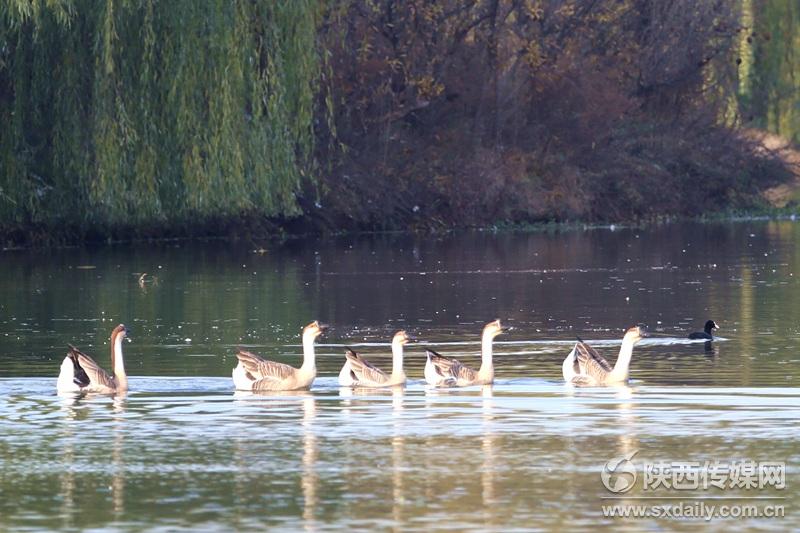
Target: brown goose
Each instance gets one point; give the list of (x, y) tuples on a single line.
[(257, 374), (443, 371), (80, 373), (358, 372), (584, 367)]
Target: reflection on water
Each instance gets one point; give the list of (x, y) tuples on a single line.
[(117, 457), (488, 443), (67, 479), (310, 477), (513, 455), (398, 458), (183, 451)]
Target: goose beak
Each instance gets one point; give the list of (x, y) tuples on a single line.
[(506, 329), (323, 327), (643, 332)]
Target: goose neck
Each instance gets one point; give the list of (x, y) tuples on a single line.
[(622, 366), (118, 362), (487, 367), (397, 358), (309, 361)]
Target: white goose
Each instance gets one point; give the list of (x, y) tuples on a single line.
[(442, 371), (584, 367), (254, 373), (358, 372), (80, 373)]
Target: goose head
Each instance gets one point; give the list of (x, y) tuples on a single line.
[(493, 329), (120, 331), (314, 330), (401, 337), (710, 325), (635, 334)]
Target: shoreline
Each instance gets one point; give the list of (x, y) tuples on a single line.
[(282, 237)]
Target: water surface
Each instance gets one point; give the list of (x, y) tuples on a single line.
[(183, 451)]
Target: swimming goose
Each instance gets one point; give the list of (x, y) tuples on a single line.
[(358, 372), (257, 374), (584, 367), (706, 333), (442, 371), (80, 373)]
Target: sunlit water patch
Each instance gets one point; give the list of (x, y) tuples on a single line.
[(203, 455)]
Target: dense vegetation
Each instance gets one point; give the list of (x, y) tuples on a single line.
[(770, 69), (155, 118), (153, 115)]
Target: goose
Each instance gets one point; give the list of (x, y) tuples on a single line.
[(584, 367), (442, 371), (80, 373), (254, 373), (706, 333), (358, 372)]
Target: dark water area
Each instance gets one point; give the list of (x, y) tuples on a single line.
[(182, 451), (199, 302)]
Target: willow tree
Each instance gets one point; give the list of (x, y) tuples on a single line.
[(770, 86), (127, 113)]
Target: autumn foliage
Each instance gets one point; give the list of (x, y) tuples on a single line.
[(479, 111)]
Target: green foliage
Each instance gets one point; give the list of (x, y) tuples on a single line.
[(772, 83), (124, 113)]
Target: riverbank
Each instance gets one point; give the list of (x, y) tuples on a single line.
[(376, 120), (274, 234), (328, 213)]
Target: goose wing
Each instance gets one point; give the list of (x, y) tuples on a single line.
[(261, 369), (364, 371), (586, 352), (583, 380), (591, 363), (465, 374), (268, 384), (450, 367), (88, 372)]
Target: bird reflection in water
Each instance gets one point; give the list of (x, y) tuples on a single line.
[(310, 479), (69, 404), (488, 447), (78, 407), (398, 455), (627, 439), (117, 456)]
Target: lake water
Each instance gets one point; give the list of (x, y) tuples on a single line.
[(182, 451)]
